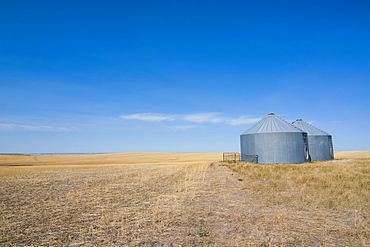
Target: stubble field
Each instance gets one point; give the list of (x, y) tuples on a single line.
[(182, 199)]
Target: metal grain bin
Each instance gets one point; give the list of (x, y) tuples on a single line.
[(320, 143), (273, 140)]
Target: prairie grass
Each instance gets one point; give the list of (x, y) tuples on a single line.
[(331, 184), (182, 200), (340, 186)]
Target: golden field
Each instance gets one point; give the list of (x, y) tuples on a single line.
[(182, 199)]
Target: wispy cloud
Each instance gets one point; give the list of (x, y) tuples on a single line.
[(183, 127), (155, 117), (205, 117), (35, 127), (242, 120), (6, 126)]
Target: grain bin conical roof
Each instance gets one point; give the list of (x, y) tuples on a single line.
[(311, 130), (271, 123)]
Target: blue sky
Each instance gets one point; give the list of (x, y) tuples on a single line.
[(179, 76)]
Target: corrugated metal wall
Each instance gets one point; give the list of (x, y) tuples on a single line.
[(321, 147), (319, 142), (276, 148)]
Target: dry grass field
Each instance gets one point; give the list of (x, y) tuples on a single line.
[(183, 199)]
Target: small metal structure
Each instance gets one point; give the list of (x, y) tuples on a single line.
[(250, 158), (232, 156), (273, 140), (319, 142)]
